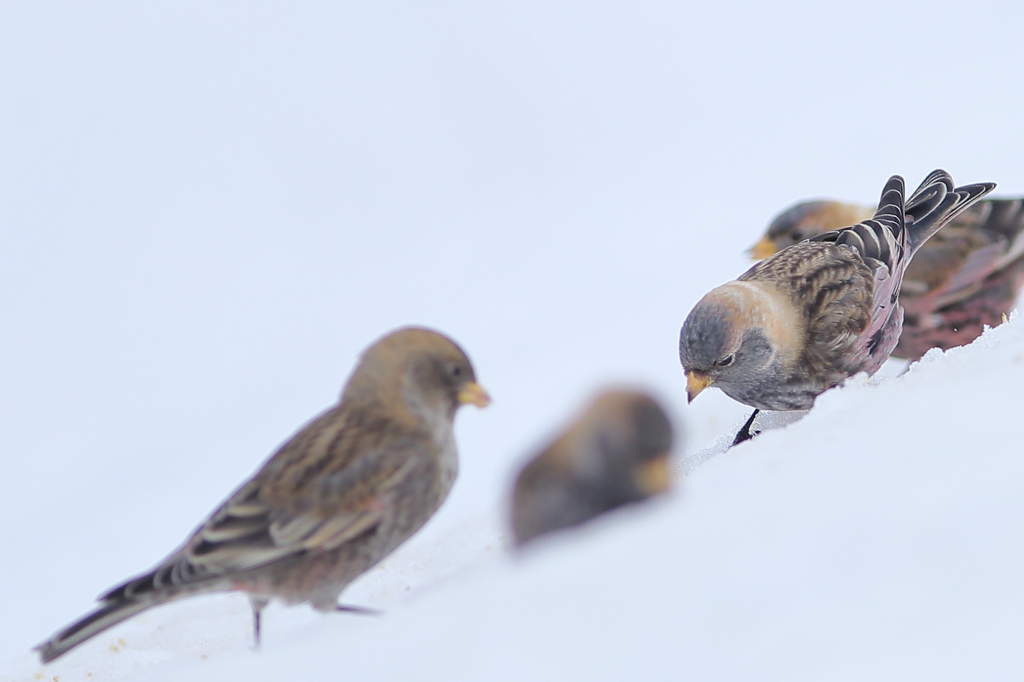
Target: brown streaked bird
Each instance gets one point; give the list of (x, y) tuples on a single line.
[(615, 453), (802, 321), (339, 496), (966, 277)]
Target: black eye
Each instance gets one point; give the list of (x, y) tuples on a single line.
[(798, 236), (455, 370), (727, 360)]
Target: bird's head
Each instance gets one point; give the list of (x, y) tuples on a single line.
[(734, 337), (423, 369), (805, 220), (632, 439)]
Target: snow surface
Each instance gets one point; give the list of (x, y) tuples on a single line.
[(207, 210), (877, 538)]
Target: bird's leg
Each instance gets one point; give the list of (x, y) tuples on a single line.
[(258, 604), (744, 434), (361, 610)]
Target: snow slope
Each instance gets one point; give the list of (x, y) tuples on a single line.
[(877, 538)]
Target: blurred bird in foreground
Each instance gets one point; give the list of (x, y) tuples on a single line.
[(817, 312), (339, 496), (967, 276), (615, 453)]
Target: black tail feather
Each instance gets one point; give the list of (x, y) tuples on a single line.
[(106, 616), (935, 203)]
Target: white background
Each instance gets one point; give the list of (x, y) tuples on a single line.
[(208, 209)]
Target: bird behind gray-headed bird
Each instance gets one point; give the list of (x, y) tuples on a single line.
[(967, 276), (800, 322), (334, 500), (615, 453)]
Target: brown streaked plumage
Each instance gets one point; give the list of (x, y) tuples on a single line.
[(966, 277), (334, 500), (615, 453), (817, 312)]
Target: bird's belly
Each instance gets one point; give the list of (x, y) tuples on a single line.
[(781, 398)]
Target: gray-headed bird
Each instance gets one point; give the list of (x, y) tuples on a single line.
[(338, 497), (802, 321), (967, 276), (615, 453)]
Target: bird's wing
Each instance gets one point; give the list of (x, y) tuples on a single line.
[(882, 243), (251, 531), (308, 498), (888, 241), (850, 298), (950, 268), (954, 264)]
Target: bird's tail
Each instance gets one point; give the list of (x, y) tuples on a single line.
[(106, 616), (176, 577), (935, 203)]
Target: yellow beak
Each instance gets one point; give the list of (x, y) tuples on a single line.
[(762, 249), (474, 394), (695, 383), (653, 477)]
